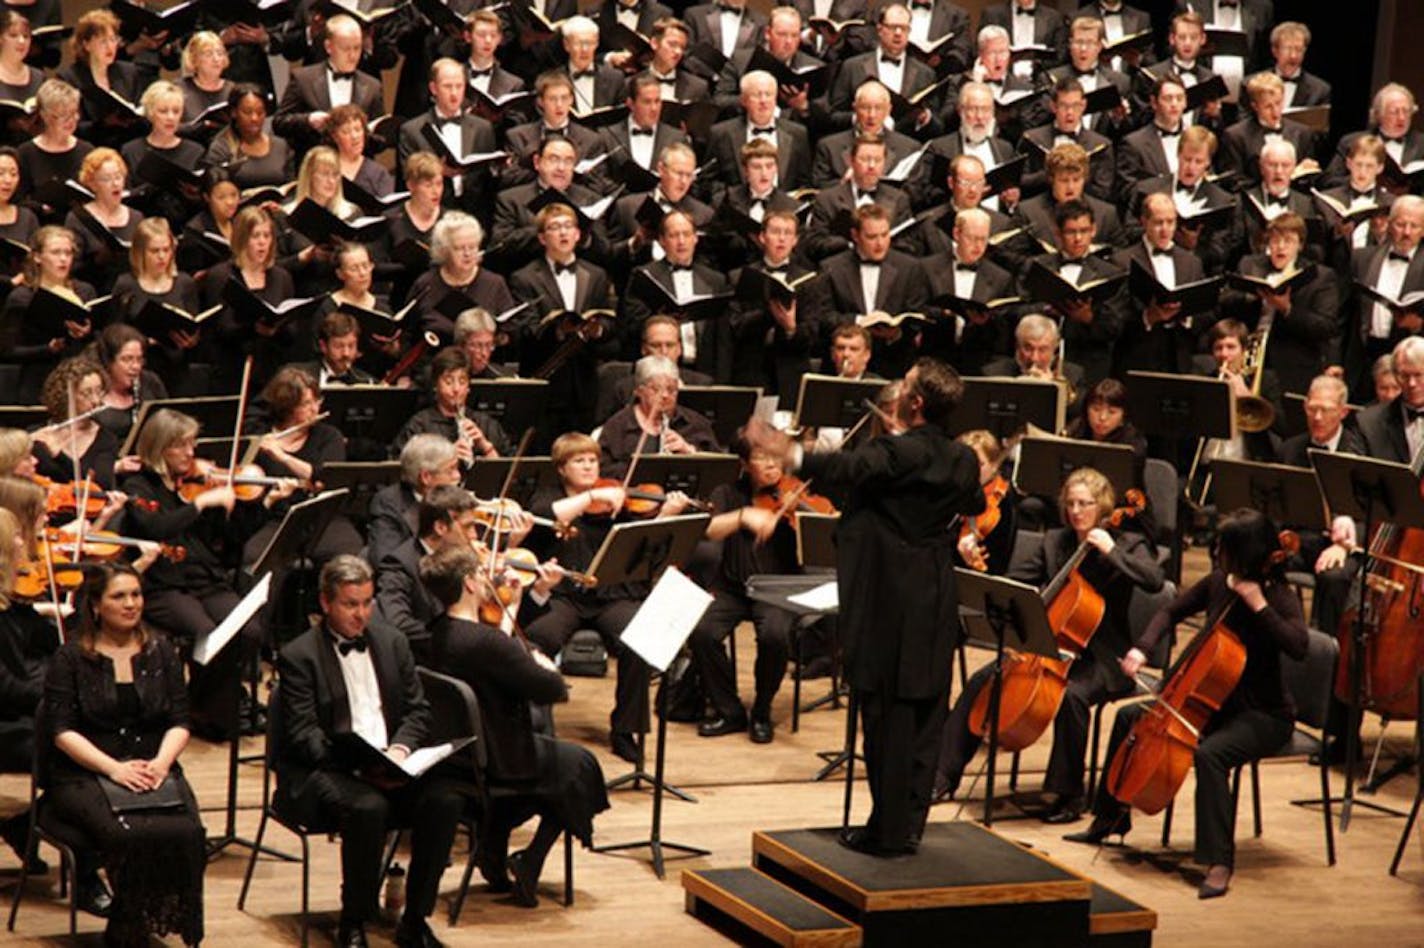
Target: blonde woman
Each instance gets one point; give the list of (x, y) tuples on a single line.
[(162, 186), (34, 345), (253, 265), (54, 155), (204, 88)]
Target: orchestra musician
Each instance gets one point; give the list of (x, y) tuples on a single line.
[(426, 462), (475, 434), (654, 420), (72, 441), (1246, 592)]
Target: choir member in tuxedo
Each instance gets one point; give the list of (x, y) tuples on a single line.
[(1185, 39), (346, 133), (669, 41), (1090, 329), (55, 153), (870, 277), (1120, 20), (978, 135), (445, 518), (1394, 430), (929, 22), (1066, 168), (1396, 269), (464, 133), (530, 771), (966, 186), (554, 100), (783, 43), (755, 196), (1242, 143), (474, 433), (1306, 322), (1085, 49), (662, 336), (754, 540), (728, 27), (1216, 243), (49, 265), (640, 17), (1118, 562), (772, 340), (1247, 588), (161, 192), (1066, 103), (516, 229), (871, 108), (560, 280), (485, 34), (891, 64), (632, 242), (670, 428), (1392, 119), (825, 234), (706, 342), (643, 136), (1030, 23), (96, 69), (578, 501), (970, 339), (595, 85), (313, 91), (1252, 17), (1152, 150), (1014, 99), (1303, 90), (456, 257), (1036, 344), (1164, 338), (352, 678), (760, 120), (1362, 188), (1274, 196), (427, 461)]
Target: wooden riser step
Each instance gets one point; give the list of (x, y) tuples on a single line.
[(1115, 921), (743, 901)]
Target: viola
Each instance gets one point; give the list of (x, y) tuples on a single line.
[(521, 568), (1032, 686), (981, 525), (248, 483), (791, 496), (640, 500)]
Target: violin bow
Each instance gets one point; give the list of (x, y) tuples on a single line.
[(237, 426), (82, 510), (633, 461)]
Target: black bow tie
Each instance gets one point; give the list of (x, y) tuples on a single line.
[(1159, 252), (1368, 195), (1228, 3), (1168, 133), (1021, 11), (1186, 188), (728, 8), (668, 80), (1319, 447), (441, 121), (345, 646), (630, 7), (561, 268), (777, 268), (1401, 257), (961, 265), (679, 267), (865, 194), (635, 130), (476, 73), (763, 130), (1274, 201), (561, 132), (922, 5), (584, 74), (1284, 78), (342, 76), (1397, 141), (1085, 73), (1412, 415), (869, 263), (892, 61)]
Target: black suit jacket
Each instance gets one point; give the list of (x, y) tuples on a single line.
[(1337, 174), (1091, 346), (609, 87), (476, 137), (1295, 449), (901, 289), (649, 13), (1255, 19), (1253, 231), (1365, 265), (1303, 341), (1035, 215), (1218, 245), (857, 69), (307, 93), (1140, 156), (1241, 147), (704, 26), (833, 157), (978, 344), (514, 238), (1050, 28), (714, 338), (1382, 428), (731, 249), (402, 600), (764, 354), (1103, 122), (1310, 90), (821, 242), (617, 136), (523, 141), (1165, 347), (391, 520), (687, 88), (1102, 163), (623, 224), (793, 152)]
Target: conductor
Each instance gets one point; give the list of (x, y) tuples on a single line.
[(898, 606)]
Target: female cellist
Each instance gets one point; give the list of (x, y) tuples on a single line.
[(1246, 592), (1116, 562)]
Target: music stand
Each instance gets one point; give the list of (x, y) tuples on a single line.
[(1010, 614), (1289, 496), (24, 417), (829, 401), (815, 540), (1181, 406), (361, 479), (641, 552), (1373, 492), (1045, 461), (1006, 405), (696, 475), (517, 404), (727, 407), (486, 478), (371, 412), (214, 413), (219, 449)]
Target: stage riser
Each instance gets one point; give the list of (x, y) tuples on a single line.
[(1122, 940)]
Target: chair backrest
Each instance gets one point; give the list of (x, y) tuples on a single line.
[(1141, 607), (609, 375), (1027, 543), (454, 711), (1159, 480), (1311, 680)]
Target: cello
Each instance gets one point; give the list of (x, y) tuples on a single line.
[(1032, 686)]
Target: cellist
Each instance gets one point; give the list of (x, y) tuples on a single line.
[(1117, 561), (1246, 591)]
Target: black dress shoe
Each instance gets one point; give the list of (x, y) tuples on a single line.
[(1216, 883), (93, 897), (1064, 811), (860, 840), (719, 726), (526, 885), (495, 869), (819, 667), (625, 746), (1101, 828), (351, 936), (416, 933), (761, 731)]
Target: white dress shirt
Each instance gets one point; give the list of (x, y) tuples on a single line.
[(363, 693), (891, 74), (339, 90), (870, 286), (1391, 280)]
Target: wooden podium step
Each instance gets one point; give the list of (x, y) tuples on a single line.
[(742, 901), (1118, 922), (967, 886)]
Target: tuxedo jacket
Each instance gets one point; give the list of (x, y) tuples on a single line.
[(714, 339), (402, 601), (1103, 122), (726, 91), (649, 13), (514, 238), (1219, 243), (1295, 449), (833, 157), (704, 25), (1009, 254), (1256, 17), (1310, 90), (623, 224), (392, 519), (687, 87), (1102, 165), (1050, 28), (951, 146), (821, 242), (857, 69), (731, 249), (977, 345), (793, 152), (764, 354), (1241, 146), (1382, 428), (476, 137), (523, 141), (902, 287), (307, 92), (1365, 265), (1306, 339), (616, 141), (1165, 347), (1141, 155), (1036, 216), (1091, 345), (316, 710), (1337, 174), (501, 82), (609, 86), (1253, 230)]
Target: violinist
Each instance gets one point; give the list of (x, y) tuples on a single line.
[(17, 456), (119, 350), (188, 599), (669, 428), (76, 385), (1117, 561), (1247, 592), (988, 538), (474, 433), (754, 540), (577, 501)]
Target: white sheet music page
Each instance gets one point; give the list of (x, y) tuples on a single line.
[(666, 618)]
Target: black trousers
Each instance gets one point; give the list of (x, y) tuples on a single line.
[(610, 617), (1227, 744), (215, 689), (363, 814), (773, 637), (901, 746)]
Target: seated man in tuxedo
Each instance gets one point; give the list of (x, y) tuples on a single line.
[(973, 337), (445, 517), (462, 132), (631, 233), (1165, 338), (1216, 241), (554, 100), (426, 462), (1036, 345), (760, 119), (754, 197), (1395, 269), (643, 136), (671, 428), (338, 340), (347, 680), (1289, 42), (516, 226), (1090, 329), (1227, 341), (1392, 119), (662, 336), (835, 206), (1273, 196), (890, 63), (870, 278), (1066, 167), (595, 86), (871, 109), (1242, 142), (313, 91)]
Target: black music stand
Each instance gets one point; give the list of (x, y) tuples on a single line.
[(727, 407), (486, 478), (214, 413), (517, 404), (829, 401), (696, 475), (24, 417), (1374, 492), (361, 479), (641, 552), (1006, 406), (1004, 614), (1045, 462), (816, 552), (1180, 407), (373, 413), (1289, 496)]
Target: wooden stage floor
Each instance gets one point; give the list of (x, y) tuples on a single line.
[(1283, 893)]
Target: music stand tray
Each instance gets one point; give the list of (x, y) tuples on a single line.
[(213, 413), (829, 401), (300, 527), (696, 475), (373, 412), (361, 479), (1046, 460), (816, 540), (517, 404), (24, 417), (1289, 496), (486, 477), (727, 407), (1181, 406), (1005, 406)]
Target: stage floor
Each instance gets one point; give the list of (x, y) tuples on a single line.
[(1283, 893)]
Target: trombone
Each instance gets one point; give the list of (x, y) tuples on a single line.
[(1251, 413)]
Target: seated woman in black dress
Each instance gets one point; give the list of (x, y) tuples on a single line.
[(106, 224), (35, 346), (121, 351), (153, 277), (474, 433), (76, 385), (532, 772), (346, 133), (17, 223), (254, 265), (54, 155), (456, 281), (207, 236), (159, 186), (18, 80), (1246, 590), (255, 156), (97, 69), (982, 545), (117, 711), (204, 62)]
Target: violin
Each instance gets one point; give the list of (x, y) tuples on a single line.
[(33, 576), (981, 525), (502, 515), (248, 483), (640, 500), (105, 545), (791, 496), (62, 499), (521, 568)]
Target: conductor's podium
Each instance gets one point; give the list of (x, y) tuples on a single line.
[(967, 886)]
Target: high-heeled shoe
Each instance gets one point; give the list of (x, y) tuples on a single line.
[(1217, 881), (1101, 828)]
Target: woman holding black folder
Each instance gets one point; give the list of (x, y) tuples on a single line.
[(17, 224), (346, 133), (404, 251), (164, 165), (105, 224), (238, 331), (154, 278), (96, 72), (256, 157), (40, 321), (457, 281), (206, 237), (205, 91), (18, 82), (309, 255), (54, 155), (118, 712)]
